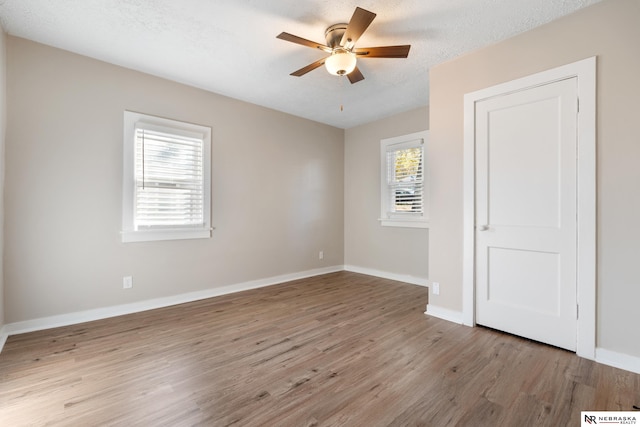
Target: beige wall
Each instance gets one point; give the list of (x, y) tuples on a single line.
[(368, 245), (3, 127), (610, 31), (277, 190)]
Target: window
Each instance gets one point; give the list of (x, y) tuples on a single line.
[(403, 185), (166, 182)]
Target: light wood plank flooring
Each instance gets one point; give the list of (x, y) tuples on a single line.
[(342, 349)]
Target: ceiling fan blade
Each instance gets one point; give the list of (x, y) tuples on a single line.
[(384, 51), (355, 76), (359, 22), (304, 42), (304, 70)]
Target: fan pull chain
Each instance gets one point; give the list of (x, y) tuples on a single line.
[(342, 88)]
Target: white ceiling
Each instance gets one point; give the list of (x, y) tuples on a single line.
[(230, 46)]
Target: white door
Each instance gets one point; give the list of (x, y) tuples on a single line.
[(526, 144)]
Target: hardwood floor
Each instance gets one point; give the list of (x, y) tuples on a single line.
[(342, 349)]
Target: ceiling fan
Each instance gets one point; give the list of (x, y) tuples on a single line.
[(341, 40)]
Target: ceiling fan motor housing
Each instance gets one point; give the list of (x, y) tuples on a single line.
[(333, 35)]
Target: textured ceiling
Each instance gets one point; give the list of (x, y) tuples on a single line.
[(230, 46)]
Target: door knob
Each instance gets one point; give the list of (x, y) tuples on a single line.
[(484, 227)]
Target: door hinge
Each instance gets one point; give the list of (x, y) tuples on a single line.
[(577, 311)]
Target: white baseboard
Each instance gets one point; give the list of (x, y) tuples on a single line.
[(618, 360), (3, 336), (604, 356), (119, 310), (386, 275), (444, 313)]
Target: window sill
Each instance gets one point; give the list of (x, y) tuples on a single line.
[(407, 223), (158, 235)]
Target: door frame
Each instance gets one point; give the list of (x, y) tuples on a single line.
[(585, 72)]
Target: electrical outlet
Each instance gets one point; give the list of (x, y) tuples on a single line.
[(321, 255), (436, 288), (127, 282)]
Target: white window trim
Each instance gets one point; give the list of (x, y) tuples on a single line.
[(129, 232), (410, 220)]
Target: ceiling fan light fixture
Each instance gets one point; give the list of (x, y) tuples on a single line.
[(341, 62)]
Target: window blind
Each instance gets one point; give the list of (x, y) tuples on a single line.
[(405, 179), (169, 178)]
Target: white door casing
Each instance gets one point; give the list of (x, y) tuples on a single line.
[(584, 73), (526, 212)]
